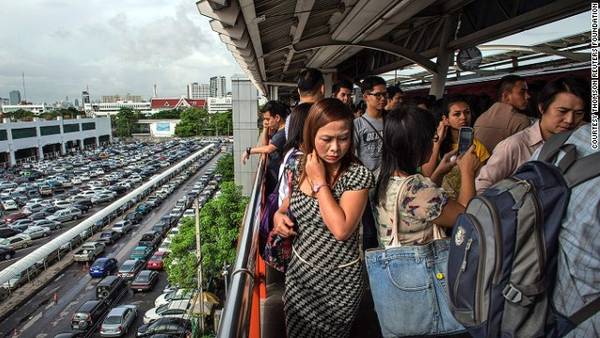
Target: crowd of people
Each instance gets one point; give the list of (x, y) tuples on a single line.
[(368, 191)]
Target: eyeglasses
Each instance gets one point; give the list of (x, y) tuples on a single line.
[(379, 95)]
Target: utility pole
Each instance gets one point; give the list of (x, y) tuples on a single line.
[(199, 257)]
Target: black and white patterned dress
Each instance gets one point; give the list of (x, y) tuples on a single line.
[(322, 290)]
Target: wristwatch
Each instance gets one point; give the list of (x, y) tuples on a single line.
[(317, 186)]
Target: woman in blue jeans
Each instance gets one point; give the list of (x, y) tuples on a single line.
[(408, 275)]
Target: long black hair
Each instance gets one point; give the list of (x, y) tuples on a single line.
[(407, 143), (296, 126)]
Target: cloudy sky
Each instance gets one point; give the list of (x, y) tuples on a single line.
[(114, 47)]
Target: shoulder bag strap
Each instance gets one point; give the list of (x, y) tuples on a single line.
[(583, 169), (372, 127), (553, 145), (585, 312), (396, 213)]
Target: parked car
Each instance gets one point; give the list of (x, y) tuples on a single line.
[(156, 262), (52, 225), (119, 321), (16, 242), (6, 253), (143, 208), (130, 268), (9, 204), (84, 208), (6, 232), (177, 294), (21, 224), (144, 281), (14, 216), (103, 266), (171, 327), (88, 314), (62, 204), (122, 227), (174, 309), (101, 198), (65, 215), (36, 232), (109, 236), (150, 239)]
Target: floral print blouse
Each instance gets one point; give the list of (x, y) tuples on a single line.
[(416, 207)]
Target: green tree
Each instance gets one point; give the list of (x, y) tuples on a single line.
[(193, 121), (222, 123), (219, 227), (125, 121), (167, 114), (225, 167)]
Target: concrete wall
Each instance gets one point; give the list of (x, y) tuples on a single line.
[(245, 130)]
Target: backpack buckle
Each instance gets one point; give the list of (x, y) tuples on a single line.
[(512, 294)]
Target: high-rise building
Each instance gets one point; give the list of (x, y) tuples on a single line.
[(197, 90), (218, 86), (85, 97), (15, 97), (76, 103)]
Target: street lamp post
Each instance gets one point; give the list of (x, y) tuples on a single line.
[(199, 258)]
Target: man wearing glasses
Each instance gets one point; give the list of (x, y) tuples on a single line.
[(368, 142)]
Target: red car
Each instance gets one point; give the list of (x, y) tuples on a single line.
[(144, 281), (14, 216), (156, 261)]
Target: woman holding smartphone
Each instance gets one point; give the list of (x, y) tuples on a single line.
[(456, 114)]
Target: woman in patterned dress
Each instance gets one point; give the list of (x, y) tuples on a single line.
[(324, 281)]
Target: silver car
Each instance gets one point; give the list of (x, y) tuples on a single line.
[(118, 321)]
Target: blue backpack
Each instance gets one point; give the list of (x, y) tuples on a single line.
[(503, 252)]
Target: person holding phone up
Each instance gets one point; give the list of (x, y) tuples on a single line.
[(454, 132)]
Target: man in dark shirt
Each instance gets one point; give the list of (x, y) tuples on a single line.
[(274, 114)]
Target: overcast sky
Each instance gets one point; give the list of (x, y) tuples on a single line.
[(126, 46), (114, 47)]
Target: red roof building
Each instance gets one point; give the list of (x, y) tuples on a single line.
[(166, 103)]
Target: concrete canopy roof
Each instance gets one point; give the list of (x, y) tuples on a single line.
[(273, 39)]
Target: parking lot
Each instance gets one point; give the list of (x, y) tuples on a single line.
[(58, 300)]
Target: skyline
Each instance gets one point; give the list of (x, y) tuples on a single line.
[(113, 50)]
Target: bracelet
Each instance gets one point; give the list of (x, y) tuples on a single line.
[(248, 150)]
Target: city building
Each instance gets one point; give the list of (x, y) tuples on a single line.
[(158, 104), (22, 141), (76, 103), (36, 109), (15, 97), (112, 108), (218, 86), (4, 101), (197, 90), (219, 104), (119, 98)]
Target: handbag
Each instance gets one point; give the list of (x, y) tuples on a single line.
[(408, 284), (277, 251)]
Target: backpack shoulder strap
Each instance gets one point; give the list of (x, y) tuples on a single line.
[(583, 169), (585, 312), (553, 145)]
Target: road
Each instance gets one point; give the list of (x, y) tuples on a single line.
[(42, 316)]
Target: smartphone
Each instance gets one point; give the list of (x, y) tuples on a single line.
[(465, 139)]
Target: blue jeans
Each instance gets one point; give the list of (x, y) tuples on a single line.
[(410, 290)]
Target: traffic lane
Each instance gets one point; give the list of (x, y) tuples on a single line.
[(42, 316)]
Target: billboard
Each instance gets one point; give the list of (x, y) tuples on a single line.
[(163, 127)]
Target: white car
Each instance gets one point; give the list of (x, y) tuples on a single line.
[(62, 204), (178, 294), (101, 198), (189, 213), (65, 215), (75, 181), (36, 232), (175, 309), (164, 246), (9, 204), (87, 193)]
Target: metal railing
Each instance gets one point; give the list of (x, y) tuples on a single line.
[(235, 320)]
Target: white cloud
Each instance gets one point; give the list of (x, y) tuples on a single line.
[(114, 47)]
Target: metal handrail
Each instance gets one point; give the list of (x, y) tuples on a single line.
[(235, 320)]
